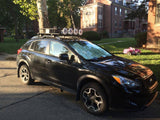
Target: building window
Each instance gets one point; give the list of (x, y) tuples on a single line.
[(100, 23), (100, 17), (116, 11), (120, 24), (100, 10), (88, 19), (117, 1), (115, 23), (126, 12), (124, 2), (157, 18), (120, 12)]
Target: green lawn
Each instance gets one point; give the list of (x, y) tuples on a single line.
[(10, 45), (147, 57)]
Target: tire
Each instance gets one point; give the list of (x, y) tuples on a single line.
[(94, 99), (25, 75)]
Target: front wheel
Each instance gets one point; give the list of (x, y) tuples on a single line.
[(25, 75), (93, 98)]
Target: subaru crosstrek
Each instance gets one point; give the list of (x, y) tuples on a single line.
[(100, 79)]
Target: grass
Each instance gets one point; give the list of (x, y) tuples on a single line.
[(10, 45), (147, 57)]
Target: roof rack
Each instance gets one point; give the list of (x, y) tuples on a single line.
[(55, 32), (58, 33), (49, 32)]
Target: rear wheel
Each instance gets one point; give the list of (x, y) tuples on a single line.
[(94, 99), (25, 75)]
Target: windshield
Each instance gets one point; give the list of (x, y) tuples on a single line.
[(88, 50)]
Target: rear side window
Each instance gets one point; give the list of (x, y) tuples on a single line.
[(40, 46), (26, 45)]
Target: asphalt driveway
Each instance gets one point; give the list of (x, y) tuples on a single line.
[(42, 102)]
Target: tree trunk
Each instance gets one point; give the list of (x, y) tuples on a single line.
[(43, 15), (73, 23)]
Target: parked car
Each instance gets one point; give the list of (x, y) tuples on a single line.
[(132, 51), (101, 80)]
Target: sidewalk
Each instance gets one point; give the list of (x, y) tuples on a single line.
[(5, 56)]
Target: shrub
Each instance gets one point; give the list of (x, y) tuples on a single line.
[(30, 34), (91, 35), (104, 34), (141, 38)]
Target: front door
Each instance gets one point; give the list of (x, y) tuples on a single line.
[(61, 71)]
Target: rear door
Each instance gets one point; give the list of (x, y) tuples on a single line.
[(38, 54)]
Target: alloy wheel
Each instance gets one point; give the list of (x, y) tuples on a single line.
[(92, 100)]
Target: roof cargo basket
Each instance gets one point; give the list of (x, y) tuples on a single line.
[(49, 31)]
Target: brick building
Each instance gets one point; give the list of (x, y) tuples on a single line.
[(153, 34), (110, 16)]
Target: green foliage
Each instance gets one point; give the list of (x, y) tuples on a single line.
[(141, 38), (69, 9), (141, 12), (9, 13), (104, 34), (28, 8), (60, 12), (55, 18), (11, 18), (91, 35)]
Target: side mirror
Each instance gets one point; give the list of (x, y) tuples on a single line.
[(64, 56)]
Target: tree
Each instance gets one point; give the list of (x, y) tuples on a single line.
[(70, 10), (28, 8), (55, 18), (11, 18), (63, 13), (43, 15), (141, 12), (35, 10)]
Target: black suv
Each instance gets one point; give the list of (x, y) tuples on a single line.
[(101, 80)]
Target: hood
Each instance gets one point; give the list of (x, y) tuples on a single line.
[(125, 67)]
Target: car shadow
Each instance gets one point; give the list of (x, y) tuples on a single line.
[(152, 111), (38, 83)]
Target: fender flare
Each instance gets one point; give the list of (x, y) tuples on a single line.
[(84, 78)]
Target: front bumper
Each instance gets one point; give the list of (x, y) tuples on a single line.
[(123, 99)]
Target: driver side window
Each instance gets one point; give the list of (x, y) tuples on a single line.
[(57, 48)]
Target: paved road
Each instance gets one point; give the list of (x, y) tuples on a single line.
[(42, 102)]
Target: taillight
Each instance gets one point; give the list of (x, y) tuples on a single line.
[(19, 50)]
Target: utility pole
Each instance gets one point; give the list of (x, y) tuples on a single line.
[(43, 15)]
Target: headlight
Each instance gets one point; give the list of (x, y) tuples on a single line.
[(125, 81)]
